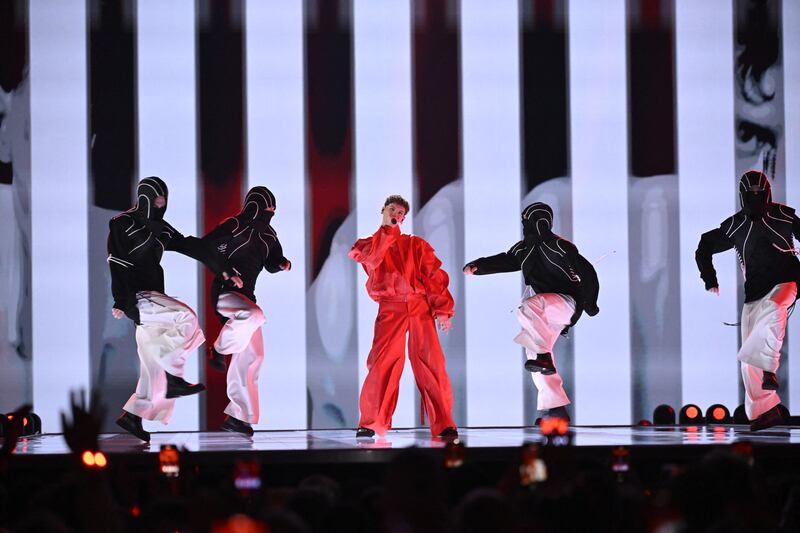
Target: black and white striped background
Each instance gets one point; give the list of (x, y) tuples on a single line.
[(628, 117)]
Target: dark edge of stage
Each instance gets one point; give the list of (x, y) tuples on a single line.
[(767, 445)]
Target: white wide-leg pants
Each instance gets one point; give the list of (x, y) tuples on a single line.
[(763, 328), (241, 336), (168, 333), (543, 317)]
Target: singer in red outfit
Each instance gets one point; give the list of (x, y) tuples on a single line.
[(407, 281)]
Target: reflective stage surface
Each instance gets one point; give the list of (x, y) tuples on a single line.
[(474, 438)]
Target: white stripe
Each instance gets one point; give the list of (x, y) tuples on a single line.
[(244, 243), (59, 265), (776, 233), (166, 139), (599, 141), (120, 262), (491, 148), (731, 234), (383, 157), (791, 92), (155, 186), (139, 246), (276, 159), (707, 178)]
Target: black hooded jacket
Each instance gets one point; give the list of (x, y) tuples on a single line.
[(549, 263), (136, 241), (248, 243), (762, 233)]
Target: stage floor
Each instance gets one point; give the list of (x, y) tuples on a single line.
[(473, 438)]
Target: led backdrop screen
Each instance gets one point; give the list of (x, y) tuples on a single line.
[(632, 119)]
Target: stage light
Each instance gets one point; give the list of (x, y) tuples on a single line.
[(644, 423), (92, 459), (88, 458), (664, 415), (740, 416), (718, 414), (690, 414), (100, 460)]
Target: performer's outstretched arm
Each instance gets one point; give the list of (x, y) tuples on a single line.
[(493, 264), (202, 251), (370, 251), (711, 242)]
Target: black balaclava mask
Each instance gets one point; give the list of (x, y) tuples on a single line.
[(254, 213), (537, 222), (755, 193), (147, 191)]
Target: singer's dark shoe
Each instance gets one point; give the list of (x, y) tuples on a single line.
[(177, 387), (234, 425), (133, 425), (543, 363), (449, 433), (769, 381), (773, 417), (365, 433), (216, 360)]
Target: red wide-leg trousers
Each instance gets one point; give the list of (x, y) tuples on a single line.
[(385, 364)]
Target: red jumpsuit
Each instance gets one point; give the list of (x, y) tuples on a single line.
[(406, 279)]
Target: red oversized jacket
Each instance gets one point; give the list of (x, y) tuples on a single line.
[(399, 265)]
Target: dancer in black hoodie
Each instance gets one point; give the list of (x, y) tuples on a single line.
[(249, 244), (565, 285), (762, 233), (166, 329)]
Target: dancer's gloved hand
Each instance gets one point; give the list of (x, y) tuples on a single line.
[(573, 320), (83, 427), (236, 281), (443, 322), (132, 312)]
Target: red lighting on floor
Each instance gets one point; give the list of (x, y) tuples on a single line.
[(554, 426)]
